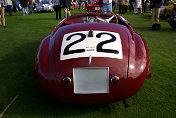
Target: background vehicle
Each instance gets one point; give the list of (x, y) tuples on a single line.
[(45, 5), (95, 6), (166, 9)]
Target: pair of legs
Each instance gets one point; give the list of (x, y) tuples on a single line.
[(116, 6), (131, 6), (58, 8), (24, 11), (9, 7), (135, 8), (2, 10), (139, 7), (67, 11), (155, 15), (30, 9), (14, 5), (121, 9), (82, 6)]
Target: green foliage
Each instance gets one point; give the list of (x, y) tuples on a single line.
[(18, 46)]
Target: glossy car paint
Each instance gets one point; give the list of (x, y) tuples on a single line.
[(95, 6), (132, 69)]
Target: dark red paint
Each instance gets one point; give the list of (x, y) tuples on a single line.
[(132, 69)]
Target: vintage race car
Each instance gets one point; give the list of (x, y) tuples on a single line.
[(92, 58)]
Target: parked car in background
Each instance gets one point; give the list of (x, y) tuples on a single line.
[(95, 6), (45, 5), (166, 9)]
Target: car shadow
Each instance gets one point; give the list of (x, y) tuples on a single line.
[(18, 75)]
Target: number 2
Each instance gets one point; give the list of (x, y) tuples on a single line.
[(100, 45), (67, 51)]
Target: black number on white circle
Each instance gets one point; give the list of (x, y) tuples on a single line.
[(67, 51), (100, 45)]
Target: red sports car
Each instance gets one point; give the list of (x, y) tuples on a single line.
[(95, 6), (92, 58)]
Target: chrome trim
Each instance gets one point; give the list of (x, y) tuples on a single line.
[(113, 78), (90, 59), (68, 79)]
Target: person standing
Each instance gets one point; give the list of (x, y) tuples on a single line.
[(9, 6), (57, 4), (2, 11), (155, 6), (78, 4), (67, 5), (139, 7), (135, 7), (14, 5), (24, 5), (143, 6), (121, 6), (126, 6), (116, 5), (131, 5), (30, 7), (107, 5), (82, 6)]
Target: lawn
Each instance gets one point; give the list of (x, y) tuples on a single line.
[(18, 46)]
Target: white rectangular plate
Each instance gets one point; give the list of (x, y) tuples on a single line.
[(91, 80), (102, 44)]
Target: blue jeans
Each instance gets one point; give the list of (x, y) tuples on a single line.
[(107, 7), (30, 9), (24, 11)]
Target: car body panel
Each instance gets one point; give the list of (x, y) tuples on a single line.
[(131, 65)]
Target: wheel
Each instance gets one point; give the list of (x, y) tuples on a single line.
[(107, 20)]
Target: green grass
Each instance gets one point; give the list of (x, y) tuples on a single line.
[(18, 45)]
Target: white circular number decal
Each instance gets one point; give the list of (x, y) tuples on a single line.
[(101, 44)]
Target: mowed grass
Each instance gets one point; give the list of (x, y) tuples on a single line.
[(18, 46)]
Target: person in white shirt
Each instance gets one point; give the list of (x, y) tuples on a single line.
[(9, 6), (139, 7)]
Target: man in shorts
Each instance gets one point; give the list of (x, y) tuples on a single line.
[(139, 7)]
